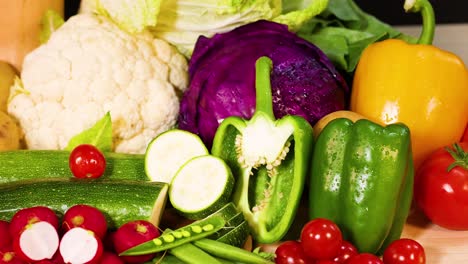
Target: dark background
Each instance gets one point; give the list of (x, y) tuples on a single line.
[(390, 11)]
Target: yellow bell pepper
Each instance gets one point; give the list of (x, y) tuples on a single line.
[(420, 85)]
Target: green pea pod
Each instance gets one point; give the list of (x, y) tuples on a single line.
[(362, 179), (269, 159)]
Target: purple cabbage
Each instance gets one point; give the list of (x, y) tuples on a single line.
[(222, 78)]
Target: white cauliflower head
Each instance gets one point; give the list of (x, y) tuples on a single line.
[(90, 67)]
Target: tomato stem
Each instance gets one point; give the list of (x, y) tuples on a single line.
[(459, 155)]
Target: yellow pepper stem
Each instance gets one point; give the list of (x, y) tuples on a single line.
[(425, 8)]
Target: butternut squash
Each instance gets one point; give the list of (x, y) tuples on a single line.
[(20, 27)]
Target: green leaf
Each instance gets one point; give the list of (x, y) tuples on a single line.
[(344, 30), (50, 22), (99, 135), (132, 15)]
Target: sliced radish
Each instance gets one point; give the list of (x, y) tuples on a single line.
[(27, 216), (87, 217), (131, 234), (37, 242), (110, 258), (5, 237), (8, 256), (79, 245)]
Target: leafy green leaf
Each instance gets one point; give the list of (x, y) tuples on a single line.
[(50, 22), (99, 135), (344, 30)]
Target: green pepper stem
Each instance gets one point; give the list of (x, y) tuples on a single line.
[(263, 98), (427, 13), (459, 155)]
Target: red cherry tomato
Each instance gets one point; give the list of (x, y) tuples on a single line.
[(365, 258), (404, 251), (87, 161), (442, 194), (290, 252), (347, 250), (321, 239)]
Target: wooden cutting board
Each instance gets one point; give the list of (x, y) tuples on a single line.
[(442, 246)]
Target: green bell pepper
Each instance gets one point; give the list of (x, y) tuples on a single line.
[(362, 179), (269, 159)]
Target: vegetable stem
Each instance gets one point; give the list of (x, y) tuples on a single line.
[(263, 99), (427, 12), (459, 155)]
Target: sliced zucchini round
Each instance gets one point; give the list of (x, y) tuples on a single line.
[(167, 152), (202, 186)]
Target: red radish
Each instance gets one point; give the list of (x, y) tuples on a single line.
[(79, 245), (56, 259), (8, 256), (37, 242), (110, 258), (109, 241), (87, 217), (27, 216), (5, 237), (134, 233)]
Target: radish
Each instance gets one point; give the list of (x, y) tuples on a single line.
[(5, 237), (27, 216), (110, 258), (79, 245), (37, 242), (8, 256), (87, 217), (134, 233), (56, 259)]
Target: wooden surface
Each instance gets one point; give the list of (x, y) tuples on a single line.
[(442, 246)]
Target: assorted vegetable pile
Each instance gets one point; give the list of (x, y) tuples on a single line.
[(203, 132)]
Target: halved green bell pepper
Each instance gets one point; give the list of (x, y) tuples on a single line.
[(269, 159), (362, 179)]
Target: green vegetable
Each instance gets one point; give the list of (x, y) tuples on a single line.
[(180, 236), (168, 151), (133, 16), (362, 179), (21, 165), (202, 185), (236, 236), (343, 30), (50, 22), (269, 160), (229, 252), (189, 253), (120, 201), (99, 135)]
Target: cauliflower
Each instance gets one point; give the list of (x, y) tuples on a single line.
[(89, 67)]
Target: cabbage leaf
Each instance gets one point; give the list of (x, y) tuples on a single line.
[(131, 15)]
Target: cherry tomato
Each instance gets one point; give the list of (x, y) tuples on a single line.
[(321, 239), (404, 251), (346, 251), (365, 258), (87, 161), (290, 252), (442, 193)]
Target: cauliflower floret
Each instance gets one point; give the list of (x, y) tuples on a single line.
[(90, 67)]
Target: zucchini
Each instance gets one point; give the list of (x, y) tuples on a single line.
[(201, 186), (237, 236), (168, 151), (121, 201), (34, 164)]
